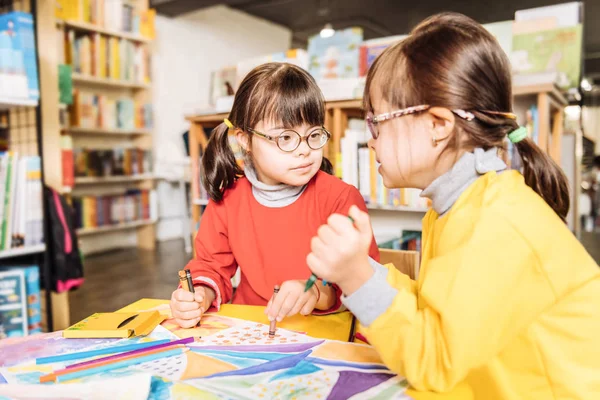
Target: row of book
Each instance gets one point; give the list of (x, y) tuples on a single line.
[(20, 305), (94, 54), (21, 207), (116, 15), (97, 211), (18, 61), (92, 110), (356, 165), (408, 240), (83, 162)]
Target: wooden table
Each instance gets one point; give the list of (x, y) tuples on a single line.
[(333, 327)]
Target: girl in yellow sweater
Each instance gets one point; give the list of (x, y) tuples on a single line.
[(507, 298)]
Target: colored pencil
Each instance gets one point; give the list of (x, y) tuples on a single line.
[(273, 324), (52, 376), (120, 364), (116, 356), (98, 352)]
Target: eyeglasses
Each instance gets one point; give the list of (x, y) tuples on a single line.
[(373, 121), (290, 140)]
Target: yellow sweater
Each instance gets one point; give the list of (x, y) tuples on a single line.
[(507, 300)]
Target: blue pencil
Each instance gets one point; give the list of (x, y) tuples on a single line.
[(120, 364), (98, 352)]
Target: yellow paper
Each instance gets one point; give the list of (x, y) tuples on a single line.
[(115, 325)]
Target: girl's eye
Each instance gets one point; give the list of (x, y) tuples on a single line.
[(315, 135), (285, 137)]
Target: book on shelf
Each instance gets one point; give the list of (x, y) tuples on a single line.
[(358, 167), (102, 56), (21, 209), (68, 162), (114, 15), (13, 304), (32, 297), (117, 162), (98, 211), (371, 49), (18, 62), (408, 241), (92, 110)]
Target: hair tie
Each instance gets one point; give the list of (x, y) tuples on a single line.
[(228, 123), (518, 134)]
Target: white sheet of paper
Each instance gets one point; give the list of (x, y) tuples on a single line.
[(133, 387)]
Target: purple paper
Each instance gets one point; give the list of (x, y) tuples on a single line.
[(269, 348), (351, 382), (138, 351)]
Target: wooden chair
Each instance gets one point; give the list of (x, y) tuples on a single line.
[(406, 262)]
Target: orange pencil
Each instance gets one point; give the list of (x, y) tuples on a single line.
[(52, 377), (273, 325)]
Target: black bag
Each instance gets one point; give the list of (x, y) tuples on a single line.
[(63, 249)]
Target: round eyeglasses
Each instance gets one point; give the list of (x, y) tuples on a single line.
[(290, 140)]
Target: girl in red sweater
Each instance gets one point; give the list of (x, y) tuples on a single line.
[(263, 217)]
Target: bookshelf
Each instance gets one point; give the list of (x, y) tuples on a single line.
[(8, 103), (106, 131), (21, 126), (88, 27), (107, 82), (548, 99), (93, 180), (22, 251), (110, 57), (115, 228), (397, 208)]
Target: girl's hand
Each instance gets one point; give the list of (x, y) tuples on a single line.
[(291, 300), (187, 308), (340, 251)]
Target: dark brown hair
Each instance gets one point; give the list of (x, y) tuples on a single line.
[(275, 92), (451, 61)]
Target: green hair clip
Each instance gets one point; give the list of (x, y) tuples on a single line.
[(518, 134)]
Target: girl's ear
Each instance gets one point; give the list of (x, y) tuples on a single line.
[(242, 139), (442, 124)]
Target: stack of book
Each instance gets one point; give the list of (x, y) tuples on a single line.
[(92, 110), (97, 211), (21, 207), (117, 162)]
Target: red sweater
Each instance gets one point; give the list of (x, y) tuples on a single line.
[(269, 244)]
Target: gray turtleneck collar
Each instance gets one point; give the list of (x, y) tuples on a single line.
[(275, 196), (446, 189)]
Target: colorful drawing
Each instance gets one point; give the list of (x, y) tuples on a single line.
[(238, 360)]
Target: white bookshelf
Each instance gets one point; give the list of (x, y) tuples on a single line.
[(22, 251), (201, 202), (8, 103), (114, 228)]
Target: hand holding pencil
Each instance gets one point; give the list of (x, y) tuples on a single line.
[(187, 306), (340, 251)]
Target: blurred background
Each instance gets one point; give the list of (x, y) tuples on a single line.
[(110, 103)]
